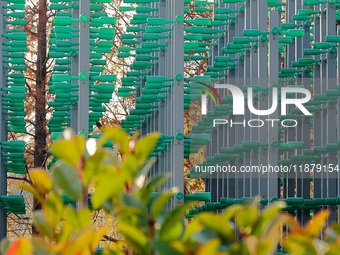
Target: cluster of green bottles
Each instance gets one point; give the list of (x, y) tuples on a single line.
[(146, 37), (64, 49), (13, 96), (14, 48), (233, 53), (293, 204), (13, 204), (102, 35), (154, 91)]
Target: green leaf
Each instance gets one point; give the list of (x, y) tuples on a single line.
[(143, 172), (159, 203), (232, 211), (118, 136), (299, 244), (40, 247), (156, 182), (41, 224), (92, 164), (108, 186), (173, 217), (268, 214), (247, 218), (53, 209), (70, 150), (204, 236), (130, 166), (67, 179), (84, 217), (133, 201), (218, 224), (146, 145), (165, 248), (135, 237), (175, 232), (4, 244)]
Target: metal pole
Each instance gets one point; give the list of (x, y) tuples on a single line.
[(84, 59), (177, 42), (3, 131)]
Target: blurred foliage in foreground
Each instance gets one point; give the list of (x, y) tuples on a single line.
[(146, 223)]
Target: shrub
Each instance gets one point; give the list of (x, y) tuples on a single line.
[(145, 221)]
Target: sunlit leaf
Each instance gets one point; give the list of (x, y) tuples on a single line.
[(209, 247), (272, 230), (92, 165), (107, 187), (29, 188), (70, 151), (67, 179), (267, 216), (232, 212), (266, 247), (146, 145), (84, 217), (97, 237), (194, 227), (130, 166), (297, 244), (175, 232), (252, 242), (246, 218), (217, 223), (118, 136), (41, 180), (314, 227)]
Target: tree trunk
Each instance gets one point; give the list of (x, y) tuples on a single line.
[(40, 145)]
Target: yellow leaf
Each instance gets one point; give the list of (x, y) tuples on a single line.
[(32, 190), (69, 150), (314, 227), (209, 248), (41, 180), (98, 236)]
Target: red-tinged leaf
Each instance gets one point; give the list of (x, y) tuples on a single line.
[(20, 247)]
